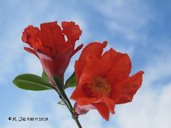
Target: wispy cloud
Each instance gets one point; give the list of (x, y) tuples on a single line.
[(149, 109), (125, 18)]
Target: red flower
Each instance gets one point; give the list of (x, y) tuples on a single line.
[(52, 45), (103, 80)]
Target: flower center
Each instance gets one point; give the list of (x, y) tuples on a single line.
[(100, 87)]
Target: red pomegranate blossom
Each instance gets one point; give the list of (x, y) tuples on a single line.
[(103, 80), (53, 45)]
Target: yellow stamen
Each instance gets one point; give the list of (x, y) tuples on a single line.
[(100, 87)]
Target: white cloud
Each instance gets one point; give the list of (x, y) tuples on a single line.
[(10, 55), (150, 109), (32, 64)]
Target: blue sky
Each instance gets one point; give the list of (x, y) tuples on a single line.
[(141, 28)]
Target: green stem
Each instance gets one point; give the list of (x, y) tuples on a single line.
[(69, 106)]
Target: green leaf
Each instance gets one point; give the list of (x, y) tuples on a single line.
[(31, 82), (45, 76), (71, 82)]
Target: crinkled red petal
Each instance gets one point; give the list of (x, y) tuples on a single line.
[(103, 110), (71, 30), (130, 87), (121, 67)]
